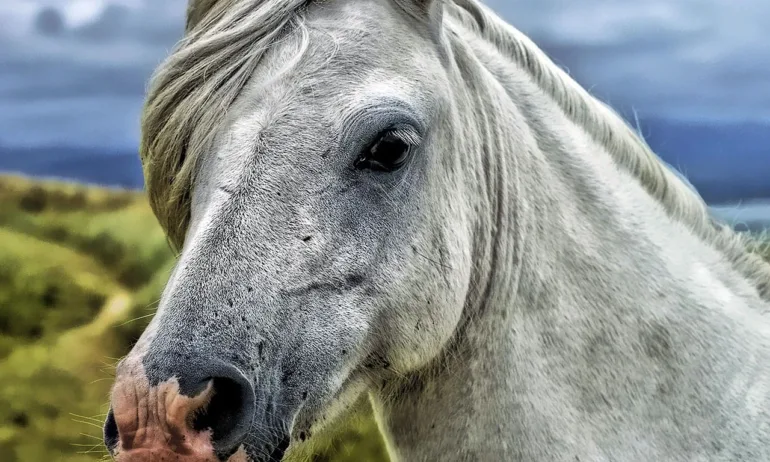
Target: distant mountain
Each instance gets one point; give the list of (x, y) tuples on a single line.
[(106, 167), (726, 163), (752, 216)]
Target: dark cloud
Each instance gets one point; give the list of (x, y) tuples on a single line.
[(76, 70), (49, 22)]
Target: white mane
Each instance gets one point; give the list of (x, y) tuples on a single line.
[(628, 149)]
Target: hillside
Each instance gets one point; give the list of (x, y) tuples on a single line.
[(81, 269)]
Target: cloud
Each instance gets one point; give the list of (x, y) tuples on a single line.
[(75, 70), (50, 22), (677, 58)]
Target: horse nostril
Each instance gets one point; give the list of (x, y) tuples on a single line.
[(228, 414), (183, 408), (110, 432)]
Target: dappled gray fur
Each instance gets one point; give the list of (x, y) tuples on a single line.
[(532, 285)]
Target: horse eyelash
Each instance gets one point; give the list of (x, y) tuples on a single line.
[(407, 135)]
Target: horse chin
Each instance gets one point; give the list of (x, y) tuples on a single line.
[(154, 455), (316, 418)]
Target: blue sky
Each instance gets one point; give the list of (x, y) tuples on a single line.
[(73, 72)]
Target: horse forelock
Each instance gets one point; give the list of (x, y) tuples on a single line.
[(190, 93), (196, 11)]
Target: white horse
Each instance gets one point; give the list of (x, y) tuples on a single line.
[(407, 199)]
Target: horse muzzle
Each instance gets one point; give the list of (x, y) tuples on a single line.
[(202, 413)]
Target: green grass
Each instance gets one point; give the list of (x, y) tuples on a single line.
[(39, 277), (81, 271), (116, 228)]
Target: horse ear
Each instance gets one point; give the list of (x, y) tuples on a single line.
[(196, 11)]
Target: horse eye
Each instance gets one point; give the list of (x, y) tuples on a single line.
[(389, 153)]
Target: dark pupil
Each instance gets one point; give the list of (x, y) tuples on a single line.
[(389, 151)]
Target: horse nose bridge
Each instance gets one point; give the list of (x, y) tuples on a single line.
[(230, 237), (206, 280), (223, 309), (232, 242)]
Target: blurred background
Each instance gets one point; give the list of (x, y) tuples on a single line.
[(82, 260)]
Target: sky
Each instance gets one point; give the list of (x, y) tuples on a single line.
[(73, 72)]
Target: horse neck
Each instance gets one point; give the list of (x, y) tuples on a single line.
[(555, 335), (462, 407)]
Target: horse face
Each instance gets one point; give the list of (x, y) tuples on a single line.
[(328, 249)]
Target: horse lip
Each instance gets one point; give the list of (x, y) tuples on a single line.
[(147, 455)]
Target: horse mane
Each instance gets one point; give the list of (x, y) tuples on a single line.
[(627, 148), (225, 41)]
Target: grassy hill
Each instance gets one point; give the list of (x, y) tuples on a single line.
[(81, 270)]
